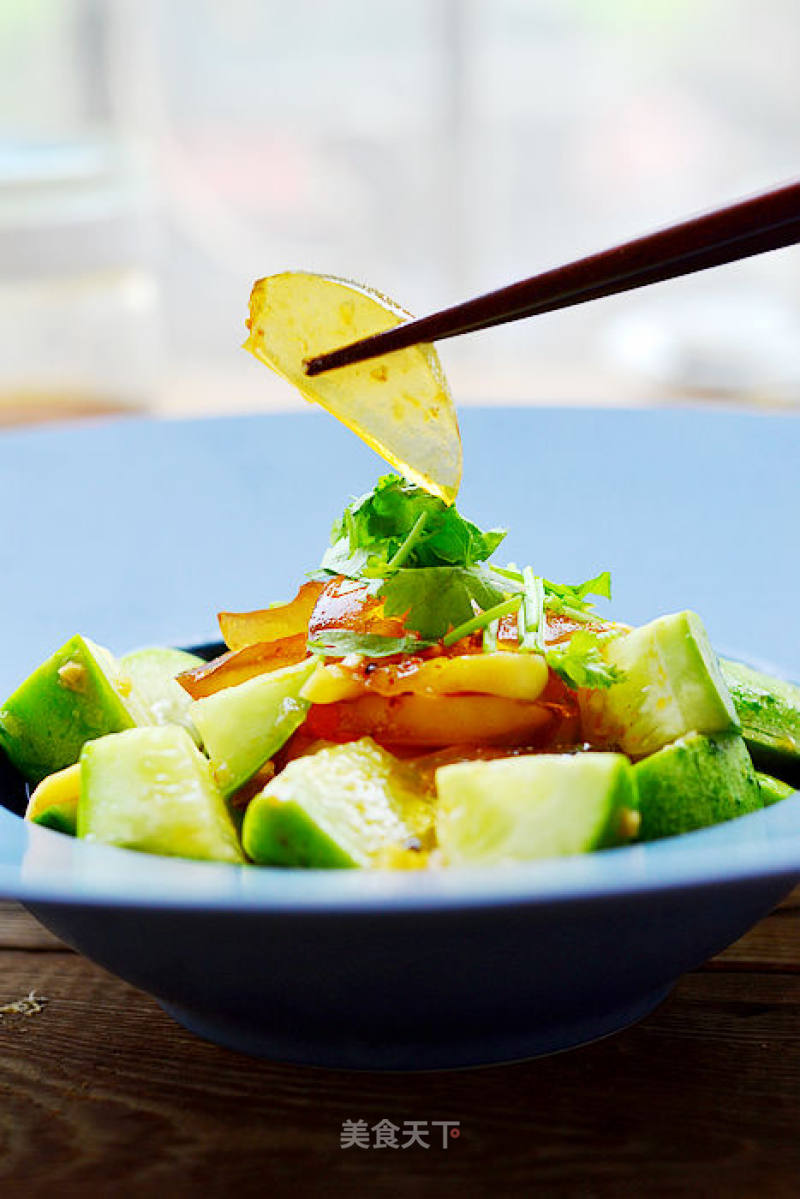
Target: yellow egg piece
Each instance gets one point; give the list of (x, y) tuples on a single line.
[(506, 675), (399, 404)]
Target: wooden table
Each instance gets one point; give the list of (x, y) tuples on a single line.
[(101, 1094)]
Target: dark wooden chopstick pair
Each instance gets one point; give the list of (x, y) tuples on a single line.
[(764, 222)]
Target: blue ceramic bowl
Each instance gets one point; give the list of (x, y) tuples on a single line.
[(136, 532)]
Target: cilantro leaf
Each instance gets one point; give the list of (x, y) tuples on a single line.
[(580, 663), (571, 600), (376, 526), (338, 560), (434, 599), (337, 643), (599, 585)]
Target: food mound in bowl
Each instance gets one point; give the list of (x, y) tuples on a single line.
[(414, 706)]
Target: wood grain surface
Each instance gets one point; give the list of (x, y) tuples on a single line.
[(102, 1094)]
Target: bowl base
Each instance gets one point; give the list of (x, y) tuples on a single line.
[(492, 1050)]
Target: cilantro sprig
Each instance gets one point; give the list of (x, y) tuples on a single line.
[(560, 598), (429, 565), (580, 663), (399, 524)]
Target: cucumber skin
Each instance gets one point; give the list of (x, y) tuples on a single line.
[(62, 818), (769, 709), (628, 716), (714, 772), (773, 790), (277, 833), (44, 725)]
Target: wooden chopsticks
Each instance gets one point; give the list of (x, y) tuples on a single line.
[(764, 222)]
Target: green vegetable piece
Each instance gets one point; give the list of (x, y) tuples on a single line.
[(435, 598), (243, 726), (152, 671), (695, 782), (152, 790), (769, 710), (76, 695), (773, 790), (398, 522), (581, 662), (340, 807), (534, 806), (54, 803), (671, 685), (61, 818)]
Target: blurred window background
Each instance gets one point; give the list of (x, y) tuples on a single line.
[(155, 158)]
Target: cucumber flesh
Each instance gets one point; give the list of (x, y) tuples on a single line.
[(672, 686), (77, 694), (695, 782), (534, 806), (243, 726), (151, 789), (344, 806), (769, 710), (773, 790), (152, 671)]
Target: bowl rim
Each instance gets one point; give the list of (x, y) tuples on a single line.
[(39, 865)]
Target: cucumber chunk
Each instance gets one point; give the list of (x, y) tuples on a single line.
[(76, 695), (152, 790), (152, 671), (243, 726), (773, 790), (534, 806), (54, 803), (695, 782), (672, 686), (344, 806), (769, 710)]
